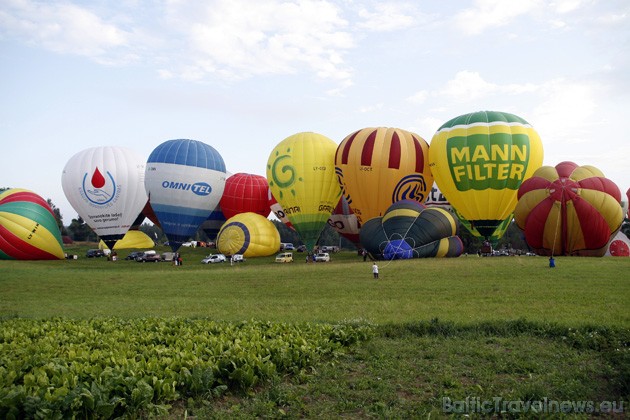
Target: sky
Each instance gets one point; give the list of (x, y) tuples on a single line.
[(243, 75)]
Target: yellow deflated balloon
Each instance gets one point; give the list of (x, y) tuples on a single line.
[(133, 239), (301, 176), (479, 161), (249, 234)]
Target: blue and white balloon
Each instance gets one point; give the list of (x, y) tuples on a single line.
[(184, 180)]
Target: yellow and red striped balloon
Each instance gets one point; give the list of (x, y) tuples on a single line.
[(378, 166), (569, 210), (28, 229)]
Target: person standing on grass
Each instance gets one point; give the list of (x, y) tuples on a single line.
[(375, 270)]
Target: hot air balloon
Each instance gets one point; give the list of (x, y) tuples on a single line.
[(380, 166), (133, 239), (105, 185), (249, 234), (28, 228), (496, 235), (212, 225), (409, 229), (569, 210), (435, 198), (245, 193), (277, 210), (479, 160), (345, 222), (619, 246), (301, 176), (185, 181)]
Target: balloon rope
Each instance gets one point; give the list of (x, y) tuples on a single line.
[(403, 237)]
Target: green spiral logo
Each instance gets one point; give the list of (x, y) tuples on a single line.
[(283, 174)]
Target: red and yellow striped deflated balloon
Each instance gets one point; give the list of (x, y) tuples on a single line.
[(28, 229), (569, 210)]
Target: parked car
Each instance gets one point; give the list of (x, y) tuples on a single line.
[(286, 246), (301, 248), (133, 255), (214, 258), (322, 257), (149, 256), (284, 257), (329, 248), (94, 253), (238, 258)]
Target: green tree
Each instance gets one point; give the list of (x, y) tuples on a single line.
[(58, 217), (80, 231)]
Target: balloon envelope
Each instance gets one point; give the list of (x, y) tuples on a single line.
[(245, 193), (569, 210), (28, 228), (249, 234), (301, 176), (479, 160), (185, 181), (105, 185), (380, 166), (409, 229), (345, 222), (134, 239)]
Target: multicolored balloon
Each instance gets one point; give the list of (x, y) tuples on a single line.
[(345, 222), (380, 166), (619, 246), (301, 176), (28, 228), (249, 234), (185, 181), (479, 160), (105, 185), (409, 229), (569, 210), (277, 210), (245, 193)]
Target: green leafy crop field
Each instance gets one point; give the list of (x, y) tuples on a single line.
[(430, 338)]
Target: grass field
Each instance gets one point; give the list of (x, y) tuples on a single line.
[(507, 327), (467, 289)]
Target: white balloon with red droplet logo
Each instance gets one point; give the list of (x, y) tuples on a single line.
[(105, 185)]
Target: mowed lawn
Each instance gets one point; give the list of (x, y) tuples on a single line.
[(469, 289)]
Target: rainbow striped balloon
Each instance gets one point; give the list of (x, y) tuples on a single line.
[(28, 229)]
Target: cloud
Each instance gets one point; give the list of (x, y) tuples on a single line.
[(63, 28), (388, 17), (469, 86), (240, 39), (493, 13)]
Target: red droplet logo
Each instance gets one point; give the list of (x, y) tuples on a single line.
[(98, 180)]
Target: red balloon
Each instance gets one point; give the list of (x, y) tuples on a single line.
[(245, 193)]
